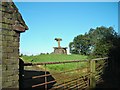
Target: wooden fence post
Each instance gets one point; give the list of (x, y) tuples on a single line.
[(92, 74)]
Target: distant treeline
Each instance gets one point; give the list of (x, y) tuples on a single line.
[(34, 55)]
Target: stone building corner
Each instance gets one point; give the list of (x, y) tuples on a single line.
[(11, 25)]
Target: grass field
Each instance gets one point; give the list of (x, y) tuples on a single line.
[(56, 58), (55, 69), (52, 58)]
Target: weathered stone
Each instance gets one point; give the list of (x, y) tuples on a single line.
[(12, 33), (1, 37), (16, 50), (16, 44), (16, 39), (0, 43), (7, 38), (0, 15), (6, 26), (9, 73), (9, 33), (0, 24), (0, 31), (6, 14), (10, 78), (6, 84), (59, 49), (4, 32), (7, 21), (9, 43), (10, 62), (4, 43), (0, 48), (4, 56), (7, 50), (12, 55), (14, 85)]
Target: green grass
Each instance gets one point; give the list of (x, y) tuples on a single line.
[(52, 58), (55, 69), (57, 58)]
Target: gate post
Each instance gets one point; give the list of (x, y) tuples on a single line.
[(21, 73), (92, 74)]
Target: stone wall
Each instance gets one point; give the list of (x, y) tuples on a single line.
[(60, 50), (0, 49), (9, 44)]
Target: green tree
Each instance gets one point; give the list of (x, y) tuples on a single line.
[(96, 42)]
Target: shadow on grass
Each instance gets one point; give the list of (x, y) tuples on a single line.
[(26, 82)]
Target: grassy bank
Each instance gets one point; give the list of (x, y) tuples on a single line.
[(57, 58), (52, 58)]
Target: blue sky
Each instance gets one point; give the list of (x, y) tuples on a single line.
[(48, 20)]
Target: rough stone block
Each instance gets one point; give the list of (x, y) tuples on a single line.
[(1, 83), (13, 44), (9, 43), (7, 15), (7, 49), (0, 37), (0, 15), (8, 73), (7, 38), (17, 35), (16, 44), (16, 39), (6, 20), (15, 85), (6, 26), (4, 43), (12, 67), (12, 33), (11, 55), (16, 49), (10, 62), (2, 9), (0, 43), (5, 32), (0, 26), (6, 84), (10, 78), (0, 56), (4, 56), (0, 32), (0, 48), (0, 6), (4, 67)]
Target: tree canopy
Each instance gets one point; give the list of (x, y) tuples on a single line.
[(96, 42)]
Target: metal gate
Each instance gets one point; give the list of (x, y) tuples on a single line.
[(66, 75)]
